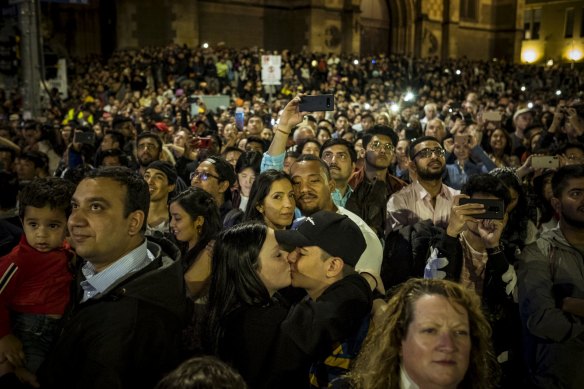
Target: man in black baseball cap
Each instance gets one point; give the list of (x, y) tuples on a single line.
[(327, 246), (324, 248)]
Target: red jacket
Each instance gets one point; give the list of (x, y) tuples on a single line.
[(33, 282)]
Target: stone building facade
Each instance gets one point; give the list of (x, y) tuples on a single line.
[(478, 29)]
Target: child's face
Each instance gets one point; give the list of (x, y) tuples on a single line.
[(45, 228)]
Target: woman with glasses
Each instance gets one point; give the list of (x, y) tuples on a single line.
[(271, 200), (215, 176)]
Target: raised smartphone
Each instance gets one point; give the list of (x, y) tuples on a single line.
[(317, 103), (494, 209)]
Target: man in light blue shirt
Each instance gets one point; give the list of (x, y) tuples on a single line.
[(340, 156), (337, 153)]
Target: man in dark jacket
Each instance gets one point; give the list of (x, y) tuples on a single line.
[(274, 345), (124, 324), (374, 184), (327, 248)]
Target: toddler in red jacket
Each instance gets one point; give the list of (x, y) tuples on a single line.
[(35, 277)]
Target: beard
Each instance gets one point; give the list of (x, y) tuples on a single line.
[(427, 175), (572, 222), (145, 160)]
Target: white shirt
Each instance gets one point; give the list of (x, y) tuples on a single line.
[(413, 203), (370, 260), (405, 382)]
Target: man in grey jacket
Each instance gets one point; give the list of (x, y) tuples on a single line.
[(551, 290)]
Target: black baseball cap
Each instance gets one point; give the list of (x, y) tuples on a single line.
[(334, 233), (165, 167)]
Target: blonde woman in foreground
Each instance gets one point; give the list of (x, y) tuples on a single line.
[(433, 335)]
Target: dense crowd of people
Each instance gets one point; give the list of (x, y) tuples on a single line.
[(428, 230)]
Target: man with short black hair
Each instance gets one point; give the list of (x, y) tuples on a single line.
[(326, 248), (367, 121), (255, 125), (313, 184), (148, 149), (426, 197), (30, 165), (255, 143), (340, 156), (161, 179), (7, 159), (123, 328), (111, 157), (551, 289), (373, 184)]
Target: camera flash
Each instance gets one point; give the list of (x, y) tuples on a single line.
[(558, 92), (522, 88), (205, 45)]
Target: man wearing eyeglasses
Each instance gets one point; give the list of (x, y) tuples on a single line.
[(373, 184), (215, 176), (427, 197)]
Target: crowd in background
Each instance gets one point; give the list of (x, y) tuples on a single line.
[(153, 108)]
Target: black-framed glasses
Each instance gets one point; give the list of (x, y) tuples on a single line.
[(328, 156), (427, 153), (203, 176), (377, 145), (147, 146)]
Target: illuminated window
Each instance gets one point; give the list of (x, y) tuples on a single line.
[(569, 31), (531, 23), (469, 9)]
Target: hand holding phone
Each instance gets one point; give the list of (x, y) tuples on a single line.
[(494, 209), (83, 137), (492, 116), (317, 103), (203, 142), (545, 162), (239, 119)]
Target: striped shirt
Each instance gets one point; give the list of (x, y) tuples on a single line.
[(96, 283)]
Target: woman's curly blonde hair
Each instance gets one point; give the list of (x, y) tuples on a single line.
[(378, 364)]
